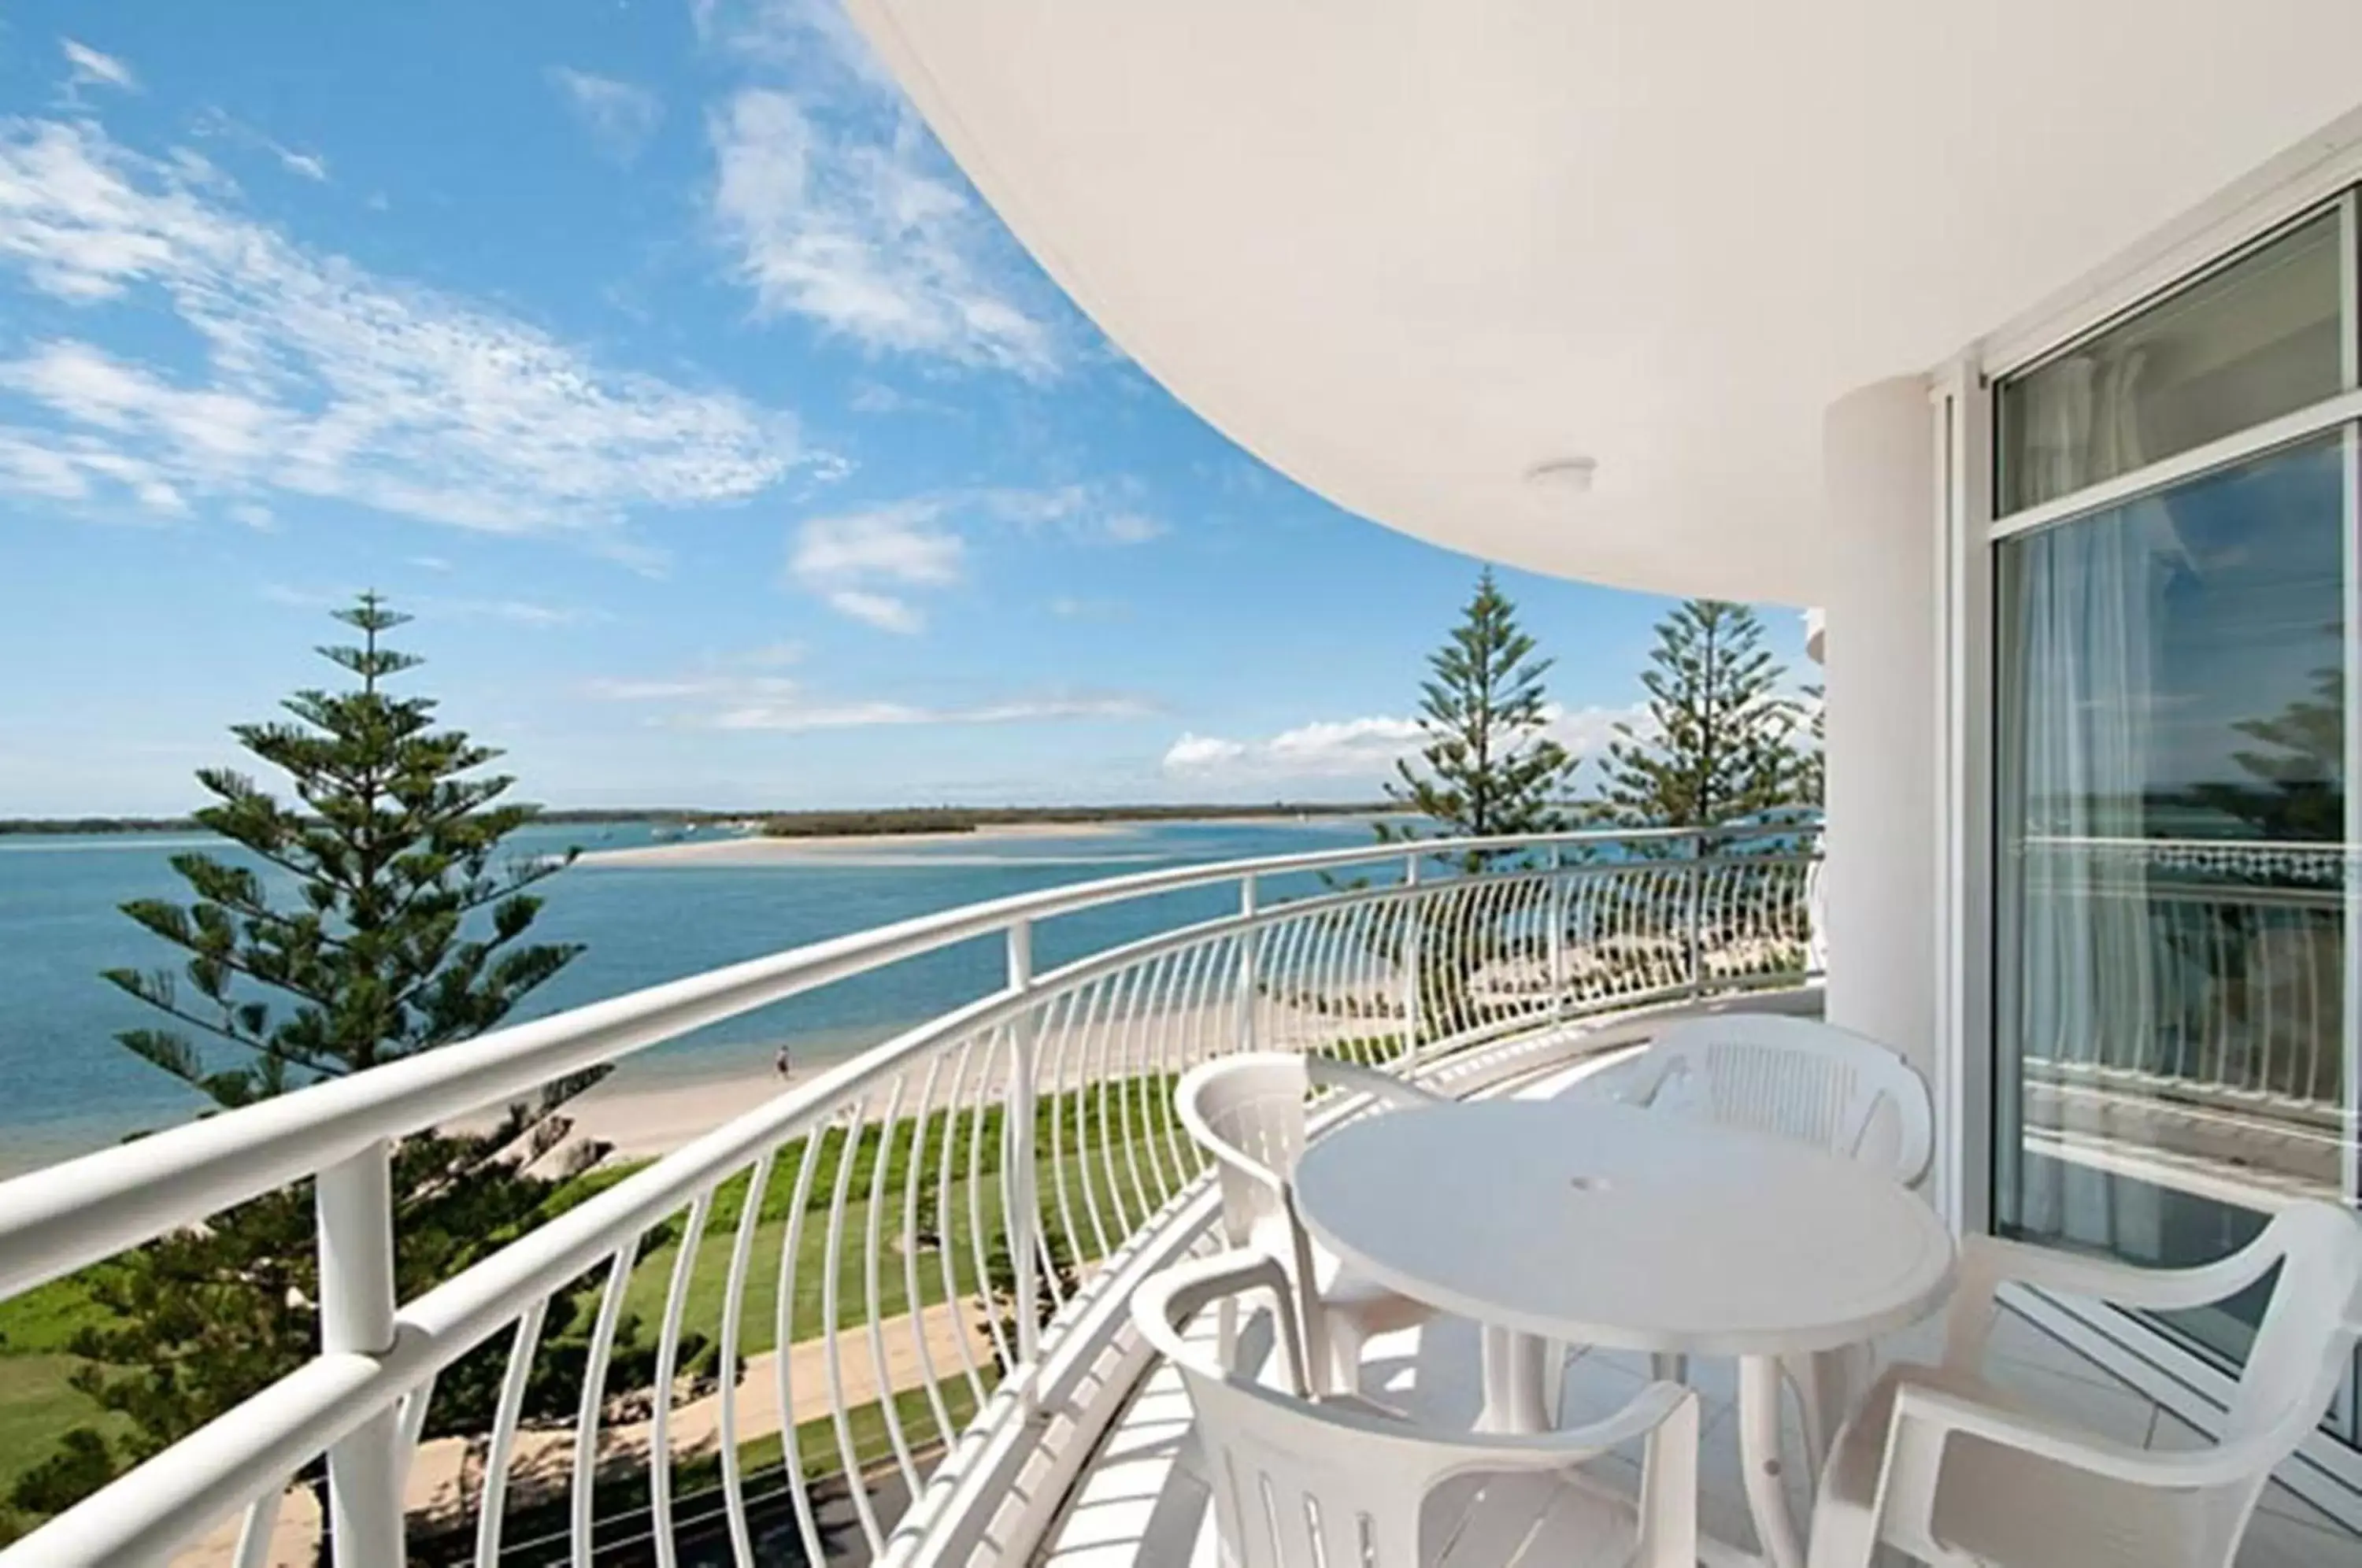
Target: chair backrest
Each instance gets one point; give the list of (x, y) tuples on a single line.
[(1247, 1111), (1797, 1078), (2308, 1327), (1299, 1485)]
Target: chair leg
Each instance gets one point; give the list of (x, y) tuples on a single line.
[(1226, 1333)]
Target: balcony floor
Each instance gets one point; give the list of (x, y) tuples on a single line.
[(1141, 1502)]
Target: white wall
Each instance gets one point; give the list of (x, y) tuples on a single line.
[(1880, 887)]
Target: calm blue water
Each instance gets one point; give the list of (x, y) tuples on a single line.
[(66, 1087)]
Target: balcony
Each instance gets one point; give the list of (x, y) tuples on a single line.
[(883, 1316)]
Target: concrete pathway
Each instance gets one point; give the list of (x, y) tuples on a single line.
[(447, 1474)]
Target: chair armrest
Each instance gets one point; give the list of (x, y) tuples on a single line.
[(1926, 1420), (1173, 1296), (1988, 1262), (2157, 1289), (1352, 1077)]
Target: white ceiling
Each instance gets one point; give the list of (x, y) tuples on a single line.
[(1405, 251)]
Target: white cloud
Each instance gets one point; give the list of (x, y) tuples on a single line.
[(913, 543), (1132, 528), (792, 33), (836, 204), (516, 611), (877, 397), (737, 687), (721, 701), (319, 379), (1364, 748), (795, 715), (620, 116), (86, 67), (259, 518), (900, 542), (843, 559), (310, 165), (1104, 512), (770, 656), (1195, 753), (1324, 749), (430, 563), (882, 611), (430, 607)]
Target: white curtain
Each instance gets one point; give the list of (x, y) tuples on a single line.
[(2087, 594)]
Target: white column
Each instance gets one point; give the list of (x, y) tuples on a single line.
[(1882, 673)]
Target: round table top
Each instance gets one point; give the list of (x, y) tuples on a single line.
[(1609, 1225)]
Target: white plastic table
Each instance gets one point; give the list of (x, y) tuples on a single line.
[(1600, 1224)]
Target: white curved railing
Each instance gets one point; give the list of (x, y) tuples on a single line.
[(788, 1325), (2207, 968)]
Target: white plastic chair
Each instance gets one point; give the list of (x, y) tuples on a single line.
[(1943, 1465), (1298, 1483), (1248, 1113), (1809, 1081), (1795, 1076)]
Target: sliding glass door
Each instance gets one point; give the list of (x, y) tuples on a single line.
[(2175, 1055)]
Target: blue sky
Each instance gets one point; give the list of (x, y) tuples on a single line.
[(727, 448)]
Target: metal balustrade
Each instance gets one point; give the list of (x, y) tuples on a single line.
[(2207, 968), (824, 1292)]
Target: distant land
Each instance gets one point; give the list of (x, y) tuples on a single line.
[(820, 823)]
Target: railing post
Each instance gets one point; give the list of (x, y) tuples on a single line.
[(1250, 950), (1558, 899), (354, 1205), (1018, 1160), (1695, 918), (1411, 959)]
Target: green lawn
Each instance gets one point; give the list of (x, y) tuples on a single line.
[(46, 1318), (38, 1406), (651, 1280)]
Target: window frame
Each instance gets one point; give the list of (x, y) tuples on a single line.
[(1965, 398)]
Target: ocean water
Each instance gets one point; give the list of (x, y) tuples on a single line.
[(70, 1087)]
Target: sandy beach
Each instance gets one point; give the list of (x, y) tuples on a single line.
[(754, 849), (643, 1119)]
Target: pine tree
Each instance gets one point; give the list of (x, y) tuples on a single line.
[(1812, 753), (1489, 766), (392, 842), (372, 917), (1719, 743)]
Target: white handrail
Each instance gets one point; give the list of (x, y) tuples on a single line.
[(1392, 974)]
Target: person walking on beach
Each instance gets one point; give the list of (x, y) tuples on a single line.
[(786, 1068)]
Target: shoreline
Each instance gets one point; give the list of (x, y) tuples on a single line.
[(757, 849), (646, 1117)]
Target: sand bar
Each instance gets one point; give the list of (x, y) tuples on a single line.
[(754, 849)]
